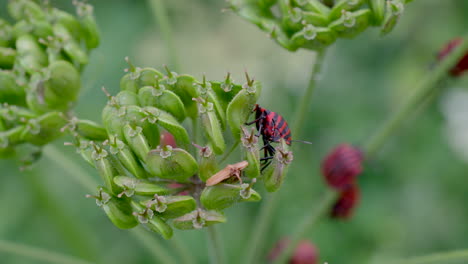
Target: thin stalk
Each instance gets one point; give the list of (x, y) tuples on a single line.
[(162, 19), (443, 257), (74, 233), (309, 221), (215, 246), (88, 183), (268, 206), (229, 152), (306, 100), (153, 246), (38, 254), (426, 87), (184, 254)]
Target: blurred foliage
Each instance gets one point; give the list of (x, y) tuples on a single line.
[(413, 193)]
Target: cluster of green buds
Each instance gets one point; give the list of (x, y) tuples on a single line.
[(316, 24), (41, 57), (184, 184)]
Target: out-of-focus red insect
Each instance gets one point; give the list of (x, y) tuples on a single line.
[(305, 252), (462, 64), (342, 165), (346, 202)]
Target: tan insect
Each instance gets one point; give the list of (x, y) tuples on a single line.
[(228, 172)]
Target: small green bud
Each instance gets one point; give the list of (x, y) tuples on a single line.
[(6, 34), (44, 129), (84, 148), (252, 153), (7, 57), (147, 217), (12, 136), (137, 78), (208, 164), (137, 117), (30, 55), (275, 173), (241, 106), (351, 24), (89, 129), (182, 85), (377, 8), (315, 19), (392, 13), (314, 38), (10, 91), (107, 171), (153, 115), (89, 26), (198, 219), (132, 186), (211, 125), (25, 9), (70, 46), (171, 163), (136, 140), (63, 80), (169, 207), (126, 157), (313, 6), (222, 196), (347, 5), (68, 21), (163, 99), (119, 211), (225, 90)]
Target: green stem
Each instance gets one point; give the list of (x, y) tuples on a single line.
[(426, 87), (306, 225), (72, 169), (88, 183), (268, 206), (184, 254), (303, 108), (38, 254), (229, 152), (444, 257), (215, 247), (162, 19), (73, 232), (153, 246)]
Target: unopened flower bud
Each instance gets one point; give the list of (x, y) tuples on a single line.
[(179, 165), (342, 165), (222, 196), (198, 219)]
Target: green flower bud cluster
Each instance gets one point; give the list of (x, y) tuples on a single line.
[(316, 24), (41, 57), (183, 185)]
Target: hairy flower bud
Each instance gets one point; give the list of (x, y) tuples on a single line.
[(342, 165), (222, 196), (346, 202), (168, 163), (275, 173), (169, 207), (199, 219)]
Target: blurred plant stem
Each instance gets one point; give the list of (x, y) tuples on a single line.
[(268, 206), (162, 19), (38, 254), (426, 87), (90, 185), (73, 232), (306, 99), (215, 246), (307, 223), (437, 258)]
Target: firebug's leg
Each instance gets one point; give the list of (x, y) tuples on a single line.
[(256, 120)]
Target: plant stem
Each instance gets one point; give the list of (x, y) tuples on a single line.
[(71, 168), (153, 246), (229, 152), (215, 246), (306, 225), (88, 183), (162, 19), (184, 254), (268, 206), (425, 88), (304, 105), (444, 257), (38, 254), (73, 232)]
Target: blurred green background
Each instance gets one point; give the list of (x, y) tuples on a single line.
[(414, 192)]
